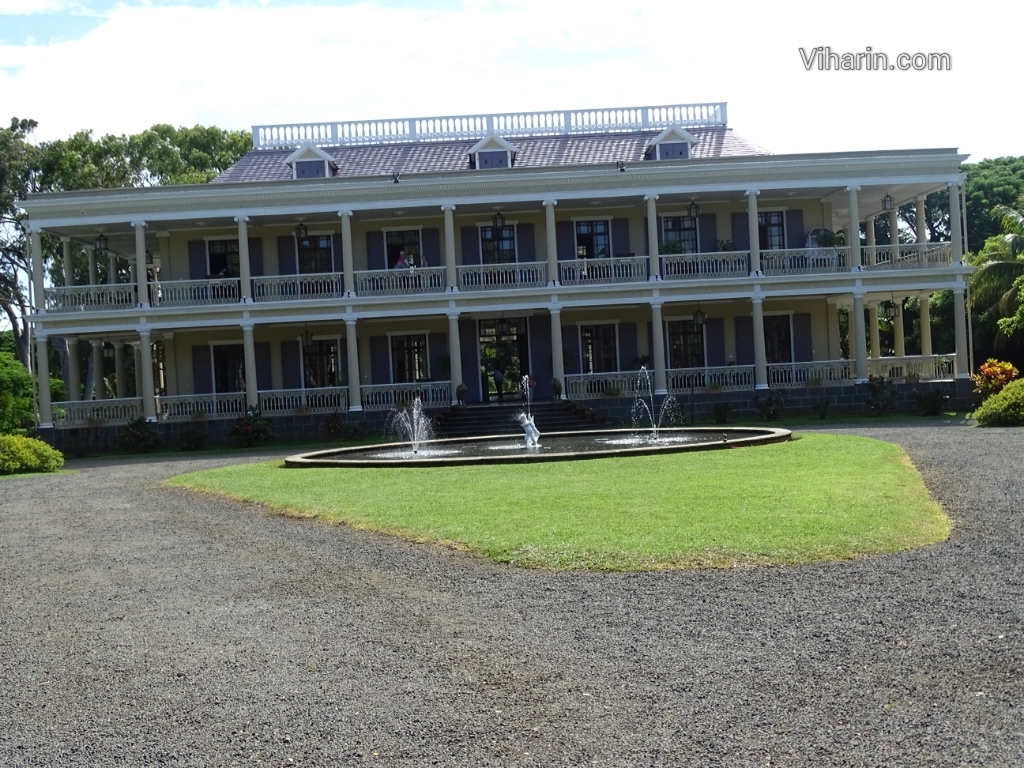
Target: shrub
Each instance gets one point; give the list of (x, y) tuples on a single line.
[(1005, 409), (992, 376), (770, 408), (251, 428), (931, 401), (27, 454), (193, 439), (139, 436), (881, 394), (720, 413)]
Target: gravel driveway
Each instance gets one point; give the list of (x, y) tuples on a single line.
[(149, 626)]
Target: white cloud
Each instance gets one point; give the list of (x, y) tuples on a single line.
[(31, 7)]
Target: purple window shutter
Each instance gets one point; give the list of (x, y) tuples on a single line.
[(541, 364), (286, 264), (470, 247), (795, 235), (620, 237), (437, 348), (202, 373), (375, 256), (470, 366), (740, 231), (264, 380), (802, 345), (291, 362), (647, 238), (309, 169), (525, 244), (714, 336), (256, 256), (571, 347), (707, 231), (744, 340), (565, 238), (627, 346), (197, 266), (337, 255), (430, 240), (380, 360)]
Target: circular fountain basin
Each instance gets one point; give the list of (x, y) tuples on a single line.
[(554, 446)]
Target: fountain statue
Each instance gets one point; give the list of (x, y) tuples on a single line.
[(531, 433), (643, 405)]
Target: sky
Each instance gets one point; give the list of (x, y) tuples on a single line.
[(120, 67)]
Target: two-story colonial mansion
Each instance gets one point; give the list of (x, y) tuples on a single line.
[(343, 267)]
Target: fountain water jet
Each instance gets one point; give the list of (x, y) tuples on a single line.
[(643, 404), (410, 425)]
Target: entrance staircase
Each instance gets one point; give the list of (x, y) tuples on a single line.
[(501, 419)]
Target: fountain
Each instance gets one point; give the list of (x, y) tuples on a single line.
[(410, 426), (531, 433), (643, 404)]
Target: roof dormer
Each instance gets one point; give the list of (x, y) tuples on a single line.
[(311, 162), (671, 144), (492, 152)]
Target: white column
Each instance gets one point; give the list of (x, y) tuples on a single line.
[(43, 374), (926, 324), (455, 352), (355, 399), (654, 265), (760, 356), (853, 233), (119, 370), (346, 253), (99, 388), (38, 291), (960, 329), (876, 346), (552, 241), (956, 232), (753, 233), (74, 372), (858, 340), (244, 267), (557, 355), (140, 266), (658, 350), (450, 271), (899, 344), (148, 393), (91, 255), (69, 263), (252, 398), (920, 211), (869, 232)]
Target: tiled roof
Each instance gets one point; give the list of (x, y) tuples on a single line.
[(532, 152)]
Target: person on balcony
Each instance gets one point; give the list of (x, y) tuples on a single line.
[(403, 261)]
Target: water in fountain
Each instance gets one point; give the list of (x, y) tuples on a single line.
[(644, 410), (531, 434), (410, 425)]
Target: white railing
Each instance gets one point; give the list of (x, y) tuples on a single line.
[(909, 368), (227, 405), (803, 261), (383, 282), (585, 386), (631, 269), (697, 266), (908, 256), (95, 413), (285, 402), (326, 285), (728, 378), (384, 397), (810, 374), (508, 124), (78, 298), (188, 293), (493, 277)]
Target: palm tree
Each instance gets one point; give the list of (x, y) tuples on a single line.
[(1000, 263)]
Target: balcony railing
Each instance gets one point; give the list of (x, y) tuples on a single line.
[(723, 377), (496, 277), (94, 413), (705, 266), (79, 298), (384, 397), (913, 367), (908, 256), (629, 269), (191, 293), (817, 373), (224, 405), (327, 285), (804, 261), (286, 402), (400, 281)]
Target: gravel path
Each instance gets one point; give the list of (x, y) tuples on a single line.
[(149, 626)]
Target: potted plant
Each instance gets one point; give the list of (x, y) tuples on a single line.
[(714, 388), (913, 377), (814, 381), (610, 391)]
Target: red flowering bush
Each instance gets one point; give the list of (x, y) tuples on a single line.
[(251, 429), (992, 376)]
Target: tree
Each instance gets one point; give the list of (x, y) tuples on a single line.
[(1005, 269), (17, 410)]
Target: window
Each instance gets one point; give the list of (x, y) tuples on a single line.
[(597, 344), (409, 358), (771, 230), (683, 230), (228, 368), (685, 344), (320, 363), (315, 255), (498, 244), (593, 239), (223, 257), (778, 339), (492, 158), (673, 150), (407, 240)]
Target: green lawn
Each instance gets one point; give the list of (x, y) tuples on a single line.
[(820, 497)]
